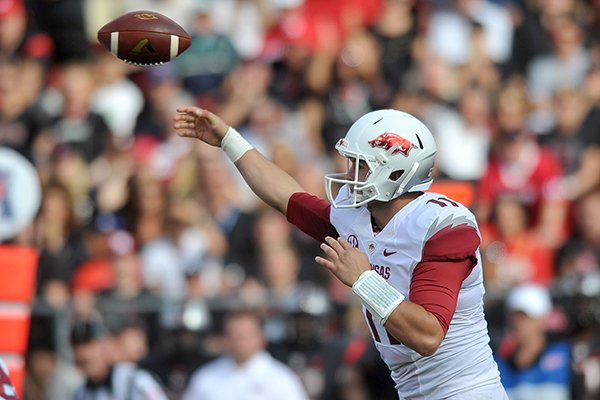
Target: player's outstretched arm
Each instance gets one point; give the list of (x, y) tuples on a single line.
[(273, 185)]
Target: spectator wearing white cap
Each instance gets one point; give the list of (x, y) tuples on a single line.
[(532, 364)]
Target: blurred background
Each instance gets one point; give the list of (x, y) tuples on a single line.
[(159, 237)]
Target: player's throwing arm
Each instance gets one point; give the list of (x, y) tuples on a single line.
[(273, 185)]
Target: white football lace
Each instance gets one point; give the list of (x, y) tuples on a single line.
[(143, 64)]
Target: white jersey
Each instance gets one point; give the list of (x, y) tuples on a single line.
[(464, 360), (260, 378)]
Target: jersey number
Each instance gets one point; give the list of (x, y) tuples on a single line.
[(443, 202)]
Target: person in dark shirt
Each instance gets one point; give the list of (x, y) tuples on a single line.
[(106, 379), (78, 128)]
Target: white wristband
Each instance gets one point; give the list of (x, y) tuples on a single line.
[(234, 145), (377, 295)]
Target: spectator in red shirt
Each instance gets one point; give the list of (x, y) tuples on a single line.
[(520, 167), (512, 252)]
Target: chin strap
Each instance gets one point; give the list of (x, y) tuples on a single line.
[(406, 179)]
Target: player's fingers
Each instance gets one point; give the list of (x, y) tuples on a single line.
[(183, 125), (187, 115), (329, 252), (344, 243), (184, 117), (334, 244), (187, 110), (193, 113), (181, 114), (186, 133), (204, 114), (324, 262)]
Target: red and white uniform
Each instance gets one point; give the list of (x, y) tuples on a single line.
[(7, 390), (429, 251)]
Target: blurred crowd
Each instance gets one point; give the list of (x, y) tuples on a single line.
[(159, 237)]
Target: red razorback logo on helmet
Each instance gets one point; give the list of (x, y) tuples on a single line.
[(388, 139)]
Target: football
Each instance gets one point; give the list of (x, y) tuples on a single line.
[(144, 38)]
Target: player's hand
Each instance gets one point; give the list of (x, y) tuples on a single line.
[(201, 124), (343, 260)]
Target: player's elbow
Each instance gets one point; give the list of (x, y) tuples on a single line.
[(427, 348), (428, 344)]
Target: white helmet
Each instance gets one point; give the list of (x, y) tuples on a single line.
[(399, 151)]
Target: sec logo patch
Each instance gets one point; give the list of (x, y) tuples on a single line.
[(353, 240)]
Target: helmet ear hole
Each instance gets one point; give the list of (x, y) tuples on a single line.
[(395, 175)]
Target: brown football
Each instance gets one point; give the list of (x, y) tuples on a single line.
[(144, 38)]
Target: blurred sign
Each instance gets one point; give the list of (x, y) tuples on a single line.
[(18, 265), (20, 193)]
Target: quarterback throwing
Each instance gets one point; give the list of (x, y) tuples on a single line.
[(411, 257)]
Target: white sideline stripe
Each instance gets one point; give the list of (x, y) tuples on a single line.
[(174, 46), (114, 43), (11, 360), (14, 310)]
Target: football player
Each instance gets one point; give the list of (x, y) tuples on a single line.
[(412, 257)]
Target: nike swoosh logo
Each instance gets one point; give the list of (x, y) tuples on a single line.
[(388, 253)]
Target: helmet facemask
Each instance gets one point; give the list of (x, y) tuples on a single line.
[(380, 183), (359, 192)]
